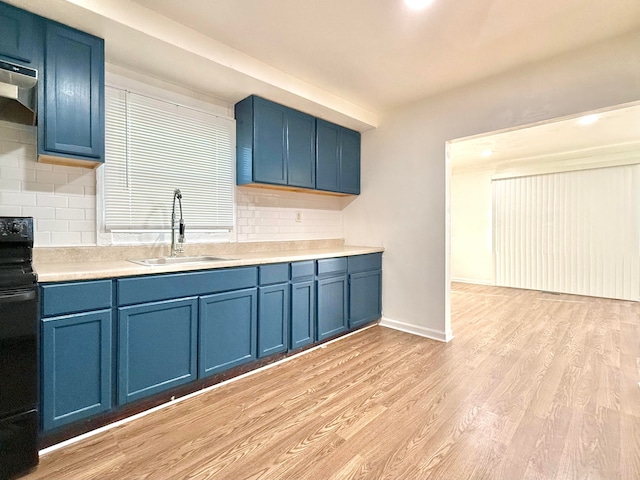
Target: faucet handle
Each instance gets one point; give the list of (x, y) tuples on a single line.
[(182, 229)]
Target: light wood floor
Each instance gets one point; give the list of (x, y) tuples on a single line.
[(534, 386)]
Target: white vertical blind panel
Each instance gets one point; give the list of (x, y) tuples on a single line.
[(154, 147), (574, 232)]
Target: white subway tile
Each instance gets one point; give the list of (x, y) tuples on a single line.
[(52, 225), (69, 214), (90, 191), (68, 189), (18, 198), (81, 225), (89, 238), (57, 178), (66, 238), (10, 134), (10, 185), (12, 173), (47, 200), (90, 214), (85, 180), (28, 136), (39, 213), (8, 160), (36, 187), (10, 211), (41, 238), (82, 202)]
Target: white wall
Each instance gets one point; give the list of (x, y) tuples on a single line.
[(471, 233), (404, 203)]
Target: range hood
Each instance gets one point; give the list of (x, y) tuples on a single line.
[(18, 93)]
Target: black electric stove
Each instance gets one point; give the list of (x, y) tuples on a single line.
[(18, 348)]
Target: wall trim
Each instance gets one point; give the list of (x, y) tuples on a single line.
[(438, 335)]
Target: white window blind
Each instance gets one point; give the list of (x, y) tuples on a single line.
[(153, 147)]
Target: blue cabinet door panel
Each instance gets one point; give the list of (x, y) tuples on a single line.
[(330, 266), (364, 263), (76, 367), (269, 143), (157, 347), (364, 297), (350, 161), (332, 306), (17, 33), (275, 273), (228, 330), (303, 307), (301, 271), (74, 93), (72, 297), (301, 150), (273, 319), (327, 156)]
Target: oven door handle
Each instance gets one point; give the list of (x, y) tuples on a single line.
[(18, 296)]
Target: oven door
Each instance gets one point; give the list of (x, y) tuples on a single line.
[(18, 350)]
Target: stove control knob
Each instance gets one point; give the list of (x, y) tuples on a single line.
[(16, 227)]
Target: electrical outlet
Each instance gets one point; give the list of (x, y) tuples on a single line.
[(298, 216)]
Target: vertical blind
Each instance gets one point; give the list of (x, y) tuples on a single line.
[(153, 147), (573, 232)]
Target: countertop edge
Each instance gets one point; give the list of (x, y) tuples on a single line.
[(63, 272)]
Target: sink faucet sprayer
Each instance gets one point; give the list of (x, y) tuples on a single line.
[(179, 247)]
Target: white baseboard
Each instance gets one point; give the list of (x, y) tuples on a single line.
[(474, 280), (439, 335)]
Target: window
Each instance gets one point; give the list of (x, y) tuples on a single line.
[(154, 147)]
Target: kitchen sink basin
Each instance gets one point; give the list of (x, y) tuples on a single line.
[(155, 262)]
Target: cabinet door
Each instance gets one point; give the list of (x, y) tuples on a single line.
[(73, 95), (350, 161), (17, 33), (332, 306), (157, 347), (364, 297), (76, 367), (269, 165), (228, 337), (303, 306), (273, 319), (327, 156), (301, 150)]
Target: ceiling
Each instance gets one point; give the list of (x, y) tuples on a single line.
[(380, 54), (348, 61), (614, 132)]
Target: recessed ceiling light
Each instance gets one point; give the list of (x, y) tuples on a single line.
[(417, 4), (589, 119), (487, 153)]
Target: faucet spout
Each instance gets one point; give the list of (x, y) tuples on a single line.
[(177, 247)]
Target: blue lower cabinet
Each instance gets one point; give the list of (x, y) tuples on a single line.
[(76, 367), (303, 308), (228, 330), (332, 306), (365, 297), (273, 319), (157, 347)]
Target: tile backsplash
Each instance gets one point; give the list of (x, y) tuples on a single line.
[(62, 201)]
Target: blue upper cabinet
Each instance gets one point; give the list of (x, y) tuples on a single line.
[(337, 159), (275, 144), (71, 116), (19, 34)]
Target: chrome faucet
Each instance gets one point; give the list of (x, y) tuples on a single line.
[(177, 247)]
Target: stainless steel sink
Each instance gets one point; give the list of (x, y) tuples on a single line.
[(155, 262)]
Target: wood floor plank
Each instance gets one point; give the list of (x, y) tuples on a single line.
[(535, 386)]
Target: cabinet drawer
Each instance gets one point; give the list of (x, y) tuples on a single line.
[(63, 298), (165, 287), (365, 263), (270, 274), (328, 266), (301, 271)]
